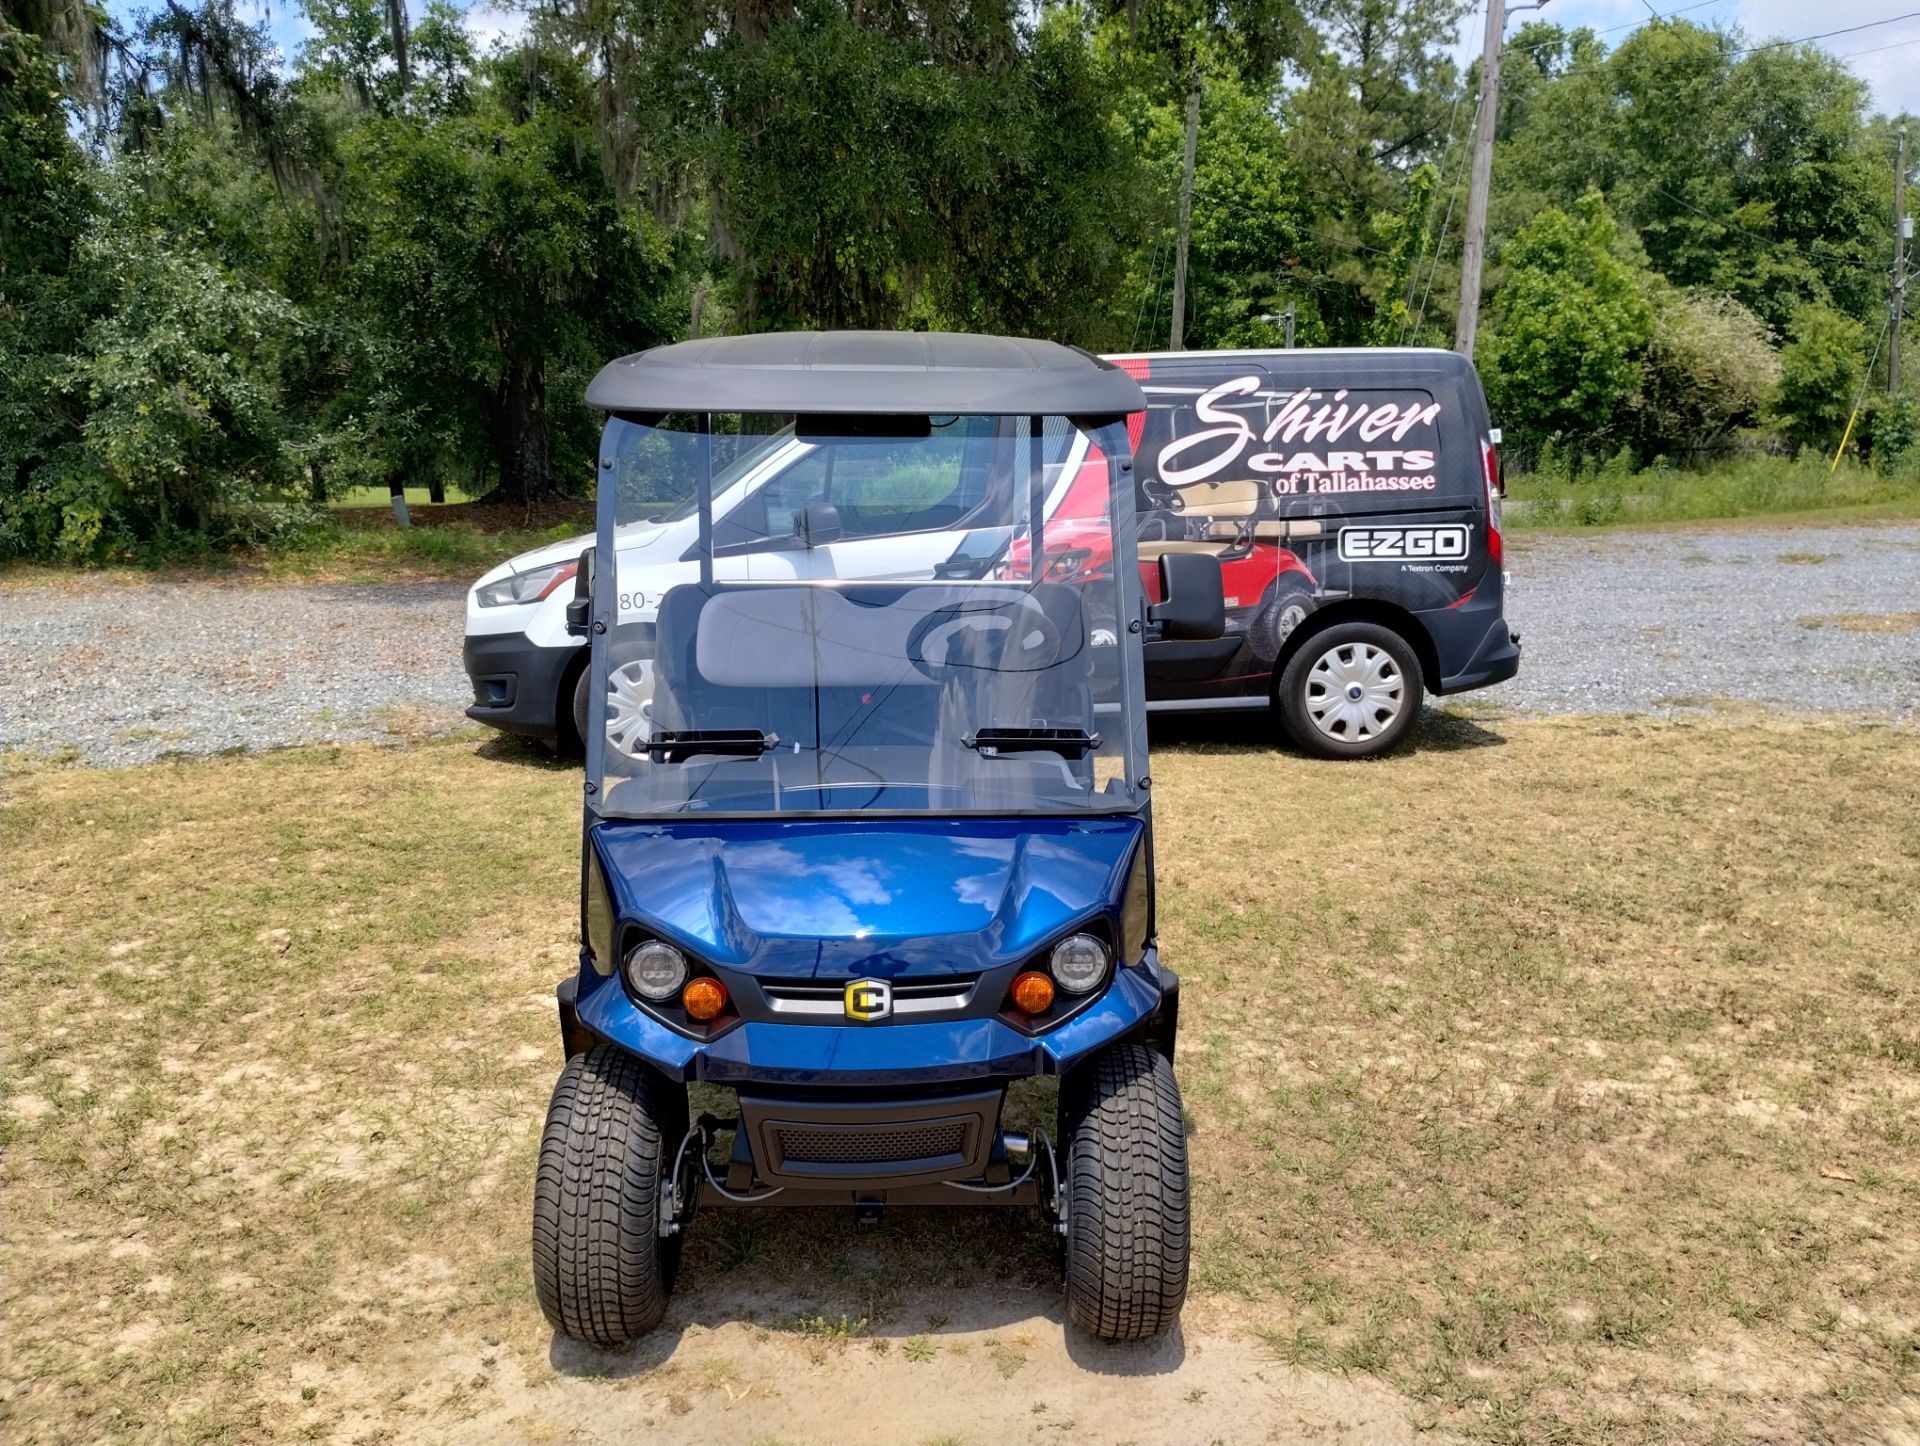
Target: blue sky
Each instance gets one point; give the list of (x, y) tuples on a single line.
[(1887, 56)]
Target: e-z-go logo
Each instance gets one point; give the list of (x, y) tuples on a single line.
[(1401, 544)]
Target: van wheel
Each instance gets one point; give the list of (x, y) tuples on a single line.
[(629, 713), (1126, 1194), (1283, 611), (1350, 692), (574, 745), (601, 1268)]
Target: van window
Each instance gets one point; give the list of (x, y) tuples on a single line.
[(880, 486), (883, 486)]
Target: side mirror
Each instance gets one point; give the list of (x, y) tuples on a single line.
[(817, 524), (580, 605), (1195, 598)]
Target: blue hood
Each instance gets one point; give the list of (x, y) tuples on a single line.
[(890, 898)]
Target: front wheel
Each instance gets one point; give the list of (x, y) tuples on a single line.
[(1126, 1194), (601, 1268), (629, 705), (1350, 692)]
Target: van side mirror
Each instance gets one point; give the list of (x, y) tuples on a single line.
[(1194, 606), (580, 605), (817, 524)]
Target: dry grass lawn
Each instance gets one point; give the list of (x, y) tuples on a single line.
[(1558, 1080)]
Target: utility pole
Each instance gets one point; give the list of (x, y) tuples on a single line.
[(1474, 255), (1186, 221), (1900, 238), (1289, 321)]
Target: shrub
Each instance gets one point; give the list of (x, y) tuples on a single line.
[(1709, 369)]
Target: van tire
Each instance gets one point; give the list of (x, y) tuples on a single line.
[(1125, 1145), (1376, 659), (601, 1268), (574, 744)]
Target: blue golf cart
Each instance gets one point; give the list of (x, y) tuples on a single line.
[(867, 835)]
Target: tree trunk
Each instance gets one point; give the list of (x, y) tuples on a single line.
[(437, 489), (316, 484), (526, 467)]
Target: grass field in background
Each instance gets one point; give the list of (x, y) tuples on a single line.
[(1764, 489), (383, 497), (1563, 1075)]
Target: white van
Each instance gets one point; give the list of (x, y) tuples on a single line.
[(528, 673)]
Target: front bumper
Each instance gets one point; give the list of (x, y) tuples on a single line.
[(518, 685), (891, 1055)]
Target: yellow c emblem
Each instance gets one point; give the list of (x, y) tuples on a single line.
[(869, 999)]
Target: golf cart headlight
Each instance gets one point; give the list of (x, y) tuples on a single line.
[(1079, 962), (526, 587), (656, 970)]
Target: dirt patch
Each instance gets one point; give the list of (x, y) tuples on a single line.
[(1864, 622), (999, 1372)]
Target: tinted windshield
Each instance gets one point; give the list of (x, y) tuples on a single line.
[(863, 626)]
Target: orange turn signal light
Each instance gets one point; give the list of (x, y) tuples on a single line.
[(703, 998), (1032, 992)]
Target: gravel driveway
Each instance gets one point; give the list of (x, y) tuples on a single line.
[(1807, 619), (119, 672)]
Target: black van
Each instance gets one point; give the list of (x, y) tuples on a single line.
[(1353, 499)]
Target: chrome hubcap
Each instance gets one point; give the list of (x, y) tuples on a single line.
[(630, 707), (1354, 692)]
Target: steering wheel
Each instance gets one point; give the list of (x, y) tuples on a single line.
[(1013, 637)]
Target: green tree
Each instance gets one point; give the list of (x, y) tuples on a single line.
[(1248, 224), (1821, 367), (46, 204), (177, 378), (1755, 176), (498, 261), (1569, 324), (1395, 320), (1382, 98)]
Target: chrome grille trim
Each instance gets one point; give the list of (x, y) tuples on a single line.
[(813, 999)]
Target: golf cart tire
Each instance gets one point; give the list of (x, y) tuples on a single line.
[(600, 1266), (1280, 616), (1126, 1194), (1290, 694)]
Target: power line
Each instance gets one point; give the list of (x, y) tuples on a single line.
[(1140, 312), (1875, 50), (1440, 245), (1827, 34), (1532, 45)]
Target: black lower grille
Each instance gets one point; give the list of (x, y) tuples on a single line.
[(872, 1146), (821, 1139)]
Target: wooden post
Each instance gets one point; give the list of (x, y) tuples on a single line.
[(1178, 339), (1899, 302), (1474, 254)]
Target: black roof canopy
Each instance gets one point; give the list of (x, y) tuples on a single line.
[(909, 373)]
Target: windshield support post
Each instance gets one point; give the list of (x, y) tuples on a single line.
[(704, 481), (1036, 496)]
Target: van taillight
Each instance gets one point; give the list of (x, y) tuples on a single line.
[(1490, 467)]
